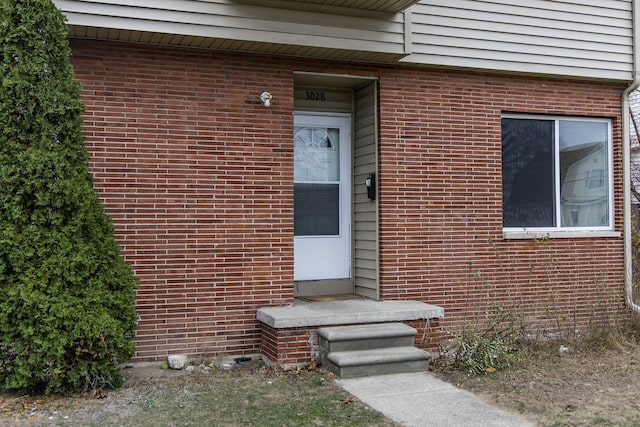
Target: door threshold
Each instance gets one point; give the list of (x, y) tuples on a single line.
[(312, 288), (323, 298)]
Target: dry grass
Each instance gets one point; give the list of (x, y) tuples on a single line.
[(594, 383), (252, 395)]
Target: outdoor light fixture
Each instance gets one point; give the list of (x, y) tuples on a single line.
[(265, 98)]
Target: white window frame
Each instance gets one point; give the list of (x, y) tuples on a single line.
[(559, 231)]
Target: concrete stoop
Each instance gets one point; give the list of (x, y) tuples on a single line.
[(372, 349), (289, 334)]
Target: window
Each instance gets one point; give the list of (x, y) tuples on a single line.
[(556, 173), (316, 182)]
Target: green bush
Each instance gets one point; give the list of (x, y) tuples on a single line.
[(67, 315)]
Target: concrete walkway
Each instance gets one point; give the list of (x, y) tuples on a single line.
[(419, 399)]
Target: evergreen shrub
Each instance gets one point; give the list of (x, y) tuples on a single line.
[(67, 315)]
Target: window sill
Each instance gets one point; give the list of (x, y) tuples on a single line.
[(560, 234)]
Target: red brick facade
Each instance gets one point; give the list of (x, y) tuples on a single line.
[(198, 178), (441, 202), (290, 346)]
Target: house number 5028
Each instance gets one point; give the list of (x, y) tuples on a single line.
[(315, 96)]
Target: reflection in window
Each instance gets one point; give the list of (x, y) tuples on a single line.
[(583, 160)]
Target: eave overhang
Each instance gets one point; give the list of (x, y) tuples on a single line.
[(386, 6), (243, 26), (230, 45)]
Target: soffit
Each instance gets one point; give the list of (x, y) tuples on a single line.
[(387, 6), (336, 81), (264, 26), (155, 38)]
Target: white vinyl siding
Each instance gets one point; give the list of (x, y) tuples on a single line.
[(586, 39), (591, 39), (229, 25), (365, 215)]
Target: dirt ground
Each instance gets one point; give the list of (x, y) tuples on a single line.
[(584, 386), (87, 408), (581, 387)]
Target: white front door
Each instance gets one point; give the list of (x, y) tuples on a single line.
[(322, 197)]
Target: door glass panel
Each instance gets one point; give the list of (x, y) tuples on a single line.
[(317, 181), (316, 209), (316, 154)]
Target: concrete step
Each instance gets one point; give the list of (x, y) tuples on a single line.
[(370, 349), (358, 363), (362, 337)]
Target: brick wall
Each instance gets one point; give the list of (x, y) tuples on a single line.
[(290, 346), (197, 177), (441, 203)]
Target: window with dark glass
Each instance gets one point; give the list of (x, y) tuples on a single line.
[(555, 173)]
